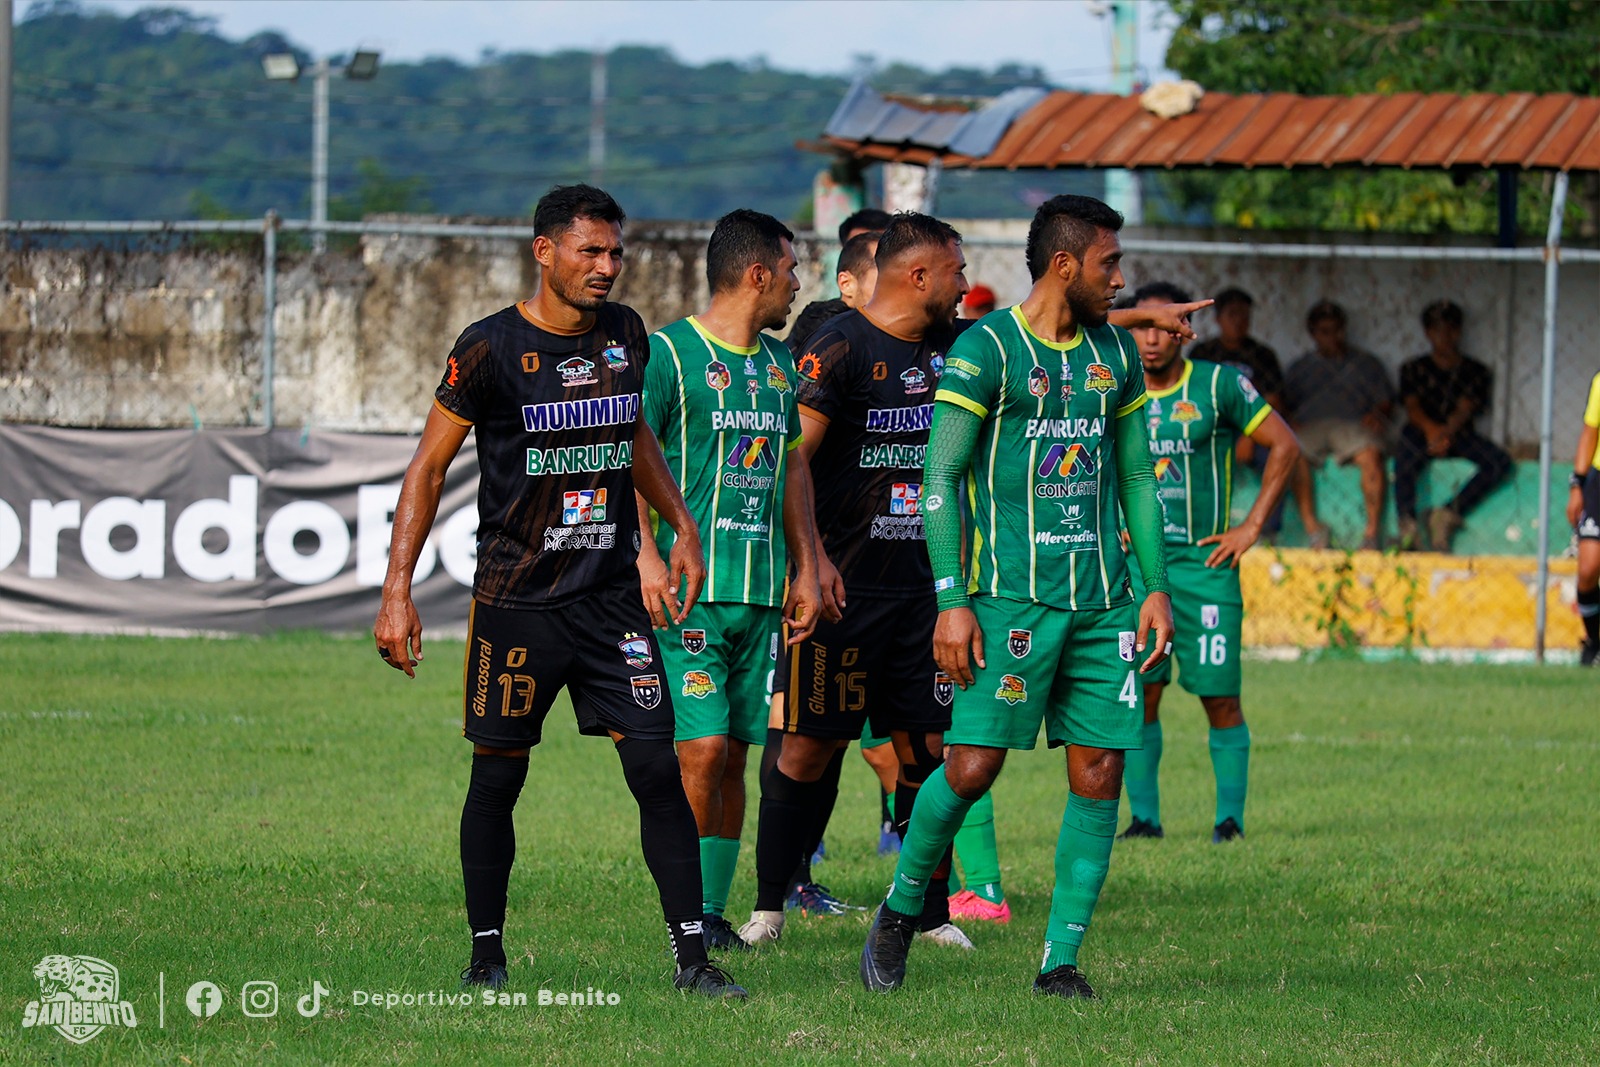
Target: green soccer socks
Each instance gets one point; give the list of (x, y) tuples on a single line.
[(1230, 759), (1083, 855)]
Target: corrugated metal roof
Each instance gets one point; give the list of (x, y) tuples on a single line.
[(968, 128), (1412, 130)]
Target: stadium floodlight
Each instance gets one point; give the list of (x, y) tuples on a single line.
[(363, 66), (281, 66)]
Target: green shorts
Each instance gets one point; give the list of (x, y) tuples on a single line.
[(870, 739), (1208, 613), (1074, 671), (719, 665)]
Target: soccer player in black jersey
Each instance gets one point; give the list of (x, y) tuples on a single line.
[(552, 387)]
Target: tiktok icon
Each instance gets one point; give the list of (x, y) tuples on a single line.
[(311, 1004)]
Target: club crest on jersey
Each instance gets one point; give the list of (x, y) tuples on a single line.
[(636, 650), (576, 371), (1021, 643), (904, 498), (694, 641), (1210, 616), (1013, 690), (1100, 378), (585, 505), (915, 380), (1167, 470), (717, 375), (1185, 411), (944, 690), (776, 379), (647, 691), (698, 684), (1038, 381), (1125, 645), (1067, 460), (616, 357)]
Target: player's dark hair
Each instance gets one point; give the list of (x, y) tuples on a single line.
[(1325, 311), (743, 237), (1067, 223), (868, 218), (1441, 312), (564, 204), (856, 255), (1165, 292), (1230, 297), (912, 229)]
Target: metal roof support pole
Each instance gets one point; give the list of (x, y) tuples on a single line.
[(1547, 392), (269, 314)]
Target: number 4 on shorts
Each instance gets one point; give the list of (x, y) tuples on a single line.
[(1130, 691)]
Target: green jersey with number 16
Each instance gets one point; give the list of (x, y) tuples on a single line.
[(1041, 492), (1193, 426), (725, 417)]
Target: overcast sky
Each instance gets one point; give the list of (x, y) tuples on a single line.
[(1065, 37)]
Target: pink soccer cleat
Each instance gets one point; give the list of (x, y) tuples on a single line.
[(969, 905)]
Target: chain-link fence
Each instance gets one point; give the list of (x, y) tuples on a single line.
[(238, 324)]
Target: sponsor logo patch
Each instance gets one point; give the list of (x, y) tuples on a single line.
[(1167, 470), (1125, 645), (944, 690), (530, 362), (1098, 377), (698, 684), (1185, 411), (576, 371), (915, 380), (752, 453), (647, 690), (1248, 388), (1210, 616), (1013, 690), (1020, 643), (585, 505), (616, 357), (1067, 461), (636, 650), (776, 378), (905, 498), (694, 641)]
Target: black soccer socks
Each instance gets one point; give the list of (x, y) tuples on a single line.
[(670, 840), (787, 816), (489, 847)]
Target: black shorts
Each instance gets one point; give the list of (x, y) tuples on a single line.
[(874, 664), (599, 647), (1589, 520)]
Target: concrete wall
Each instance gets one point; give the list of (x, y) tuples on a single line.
[(93, 337)]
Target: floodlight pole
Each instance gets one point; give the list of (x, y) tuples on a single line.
[(319, 154)]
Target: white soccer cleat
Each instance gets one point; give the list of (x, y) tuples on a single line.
[(949, 935), (764, 928)]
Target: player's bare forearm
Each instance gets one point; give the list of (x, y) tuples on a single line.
[(799, 515), (398, 629), (1173, 318), (659, 602), (1283, 453), (686, 569), (1155, 630), (1588, 440), (958, 645)]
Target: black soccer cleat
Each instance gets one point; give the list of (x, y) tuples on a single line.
[(1140, 828), (1066, 982), (719, 933), (1226, 830), (709, 980), (1588, 652), (883, 957), (484, 974)]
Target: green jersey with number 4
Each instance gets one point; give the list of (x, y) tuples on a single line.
[(1041, 491), (725, 417), (1193, 427)]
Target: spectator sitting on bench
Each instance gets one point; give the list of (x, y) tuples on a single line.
[(1443, 393), (1339, 402), (1234, 347)]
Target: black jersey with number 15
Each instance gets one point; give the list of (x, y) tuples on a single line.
[(876, 391), (555, 416)]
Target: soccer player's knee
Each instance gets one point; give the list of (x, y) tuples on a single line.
[(496, 783), (924, 760), (650, 768), (1223, 712)]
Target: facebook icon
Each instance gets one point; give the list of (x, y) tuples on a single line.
[(204, 1000)]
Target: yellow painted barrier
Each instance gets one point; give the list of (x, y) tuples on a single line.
[(1309, 599)]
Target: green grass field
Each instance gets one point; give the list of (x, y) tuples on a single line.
[(1421, 881)]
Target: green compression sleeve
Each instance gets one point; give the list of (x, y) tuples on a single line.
[(1141, 508), (950, 443)]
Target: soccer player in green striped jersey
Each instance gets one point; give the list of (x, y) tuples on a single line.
[(1037, 439), (719, 395), (1197, 412)]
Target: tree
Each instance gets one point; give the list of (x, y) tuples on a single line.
[(1316, 47)]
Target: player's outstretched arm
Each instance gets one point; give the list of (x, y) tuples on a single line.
[(1174, 318), (398, 629), (1136, 490), (1233, 543), (687, 568), (957, 637), (803, 606)]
